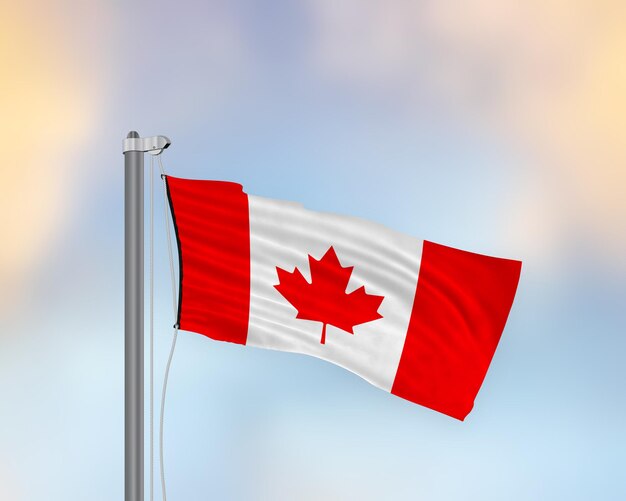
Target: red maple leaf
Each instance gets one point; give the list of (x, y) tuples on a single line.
[(325, 299)]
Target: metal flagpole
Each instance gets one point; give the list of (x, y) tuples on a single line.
[(134, 148)]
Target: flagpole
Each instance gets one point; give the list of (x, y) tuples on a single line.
[(134, 148)]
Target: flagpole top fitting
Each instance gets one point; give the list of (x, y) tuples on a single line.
[(153, 144)]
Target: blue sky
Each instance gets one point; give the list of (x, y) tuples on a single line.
[(492, 128)]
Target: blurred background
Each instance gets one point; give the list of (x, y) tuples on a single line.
[(495, 127)]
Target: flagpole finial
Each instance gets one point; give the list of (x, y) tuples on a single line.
[(153, 144)]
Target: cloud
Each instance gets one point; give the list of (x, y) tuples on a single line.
[(545, 77)]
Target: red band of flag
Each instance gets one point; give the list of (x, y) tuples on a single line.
[(213, 233), (461, 305)]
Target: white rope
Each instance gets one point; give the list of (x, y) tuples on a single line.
[(151, 328), (169, 239), (174, 338)]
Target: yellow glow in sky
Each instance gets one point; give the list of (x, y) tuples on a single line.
[(47, 109)]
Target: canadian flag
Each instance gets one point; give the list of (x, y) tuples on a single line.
[(415, 318)]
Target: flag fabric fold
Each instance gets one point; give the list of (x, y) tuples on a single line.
[(415, 318)]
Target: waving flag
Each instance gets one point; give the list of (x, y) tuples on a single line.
[(415, 318)]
